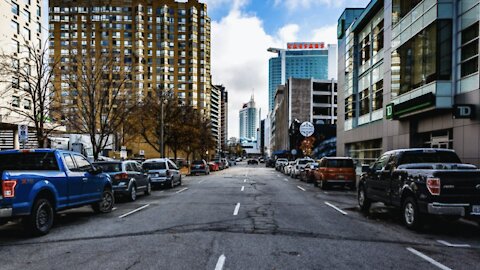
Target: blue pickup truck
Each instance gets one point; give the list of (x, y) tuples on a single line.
[(35, 184)]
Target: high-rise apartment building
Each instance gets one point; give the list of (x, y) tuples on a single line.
[(248, 120), (216, 114), (23, 25), (301, 61), (224, 117), (409, 77), (159, 45)]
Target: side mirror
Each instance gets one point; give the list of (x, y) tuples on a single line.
[(95, 170), (365, 168)]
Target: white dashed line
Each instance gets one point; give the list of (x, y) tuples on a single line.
[(243, 188), (201, 181), (134, 211), (301, 188), (220, 262), (336, 208), (428, 259), (244, 180), (114, 208), (181, 190), (285, 179), (237, 207), (453, 245)]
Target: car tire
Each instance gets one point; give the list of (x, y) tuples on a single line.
[(132, 195), (412, 218), (172, 183), (106, 204), (148, 190), (364, 202), (40, 221)]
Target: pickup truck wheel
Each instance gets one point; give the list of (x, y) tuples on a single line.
[(133, 193), (364, 202), (148, 190), (411, 216), (40, 220), (106, 204)]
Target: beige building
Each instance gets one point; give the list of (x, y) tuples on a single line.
[(162, 44), (21, 23)]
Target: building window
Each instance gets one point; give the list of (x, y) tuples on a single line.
[(365, 50), (364, 102), (39, 11), (26, 15), (15, 101), (39, 27), (378, 38), (15, 8), (469, 50), (350, 107), (15, 27), (377, 95), (27, 2), (425, 58), (400, 8), (27, 105), (26, 33)]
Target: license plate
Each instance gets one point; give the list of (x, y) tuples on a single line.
[(196, 167), (476, 210)]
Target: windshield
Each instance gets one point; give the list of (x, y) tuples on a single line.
[(154, 166), (198, 162), (28, 162), (429, 157), (109, 167), (340, 163)]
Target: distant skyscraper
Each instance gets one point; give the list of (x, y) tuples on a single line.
[(301, 61), (248, 120)]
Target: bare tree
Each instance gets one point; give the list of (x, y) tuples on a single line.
[(28, 76), (99, 103)]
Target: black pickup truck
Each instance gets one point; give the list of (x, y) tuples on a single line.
[(421, 182)]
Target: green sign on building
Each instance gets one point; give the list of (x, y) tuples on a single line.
[(389, 109)]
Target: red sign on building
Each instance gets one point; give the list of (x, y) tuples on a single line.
[(305, 45)]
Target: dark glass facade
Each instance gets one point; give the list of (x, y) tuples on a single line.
[(425, 58), (400, 8)]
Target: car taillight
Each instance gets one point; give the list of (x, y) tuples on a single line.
[(8, 188), (121, 176), (433, 185)]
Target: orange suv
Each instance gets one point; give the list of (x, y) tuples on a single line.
[(335, 171)]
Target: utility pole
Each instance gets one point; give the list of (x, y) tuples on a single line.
[(162, 126)]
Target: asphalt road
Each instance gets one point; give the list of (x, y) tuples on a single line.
[(246, 217)]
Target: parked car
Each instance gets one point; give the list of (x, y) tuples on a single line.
[(335, 171), (279, 163), (232, 162), (128, 178), (298, 166), (270, 163), (225, 163), (162, 172), (287, 169), (213, 166), (261, 160), (221, 165), (36, 184), (199, 166), (252, 162), (421, 182), (307, 173)]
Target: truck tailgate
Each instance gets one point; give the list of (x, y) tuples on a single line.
[(466, 183)]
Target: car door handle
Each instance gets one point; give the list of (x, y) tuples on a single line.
[(85, 179)]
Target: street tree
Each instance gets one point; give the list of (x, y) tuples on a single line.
[(99, 100), (27, 75)]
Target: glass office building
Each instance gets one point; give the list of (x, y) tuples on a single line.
[(301, 61)]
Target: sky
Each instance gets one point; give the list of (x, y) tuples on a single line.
[(243, 30)]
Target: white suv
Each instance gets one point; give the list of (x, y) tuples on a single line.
[(299, 166)]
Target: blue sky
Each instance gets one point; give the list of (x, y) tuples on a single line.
[(242, 30)]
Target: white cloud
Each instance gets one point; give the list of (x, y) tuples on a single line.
[(240, 59), (288, 33), (305, 4), (327, 34)]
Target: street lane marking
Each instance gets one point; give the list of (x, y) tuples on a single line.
[(244, 180), (243, 188), (336, 208), (134, 211), (220, 262), (301, 188), (285, 179), (428, 259), (114, 208), (235, 212), (201, 181), (453, 245), (181, 190)]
